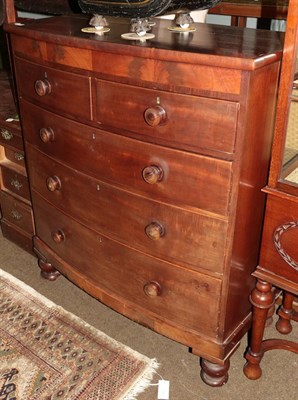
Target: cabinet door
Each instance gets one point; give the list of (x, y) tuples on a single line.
[(284, 166), (289, 170)]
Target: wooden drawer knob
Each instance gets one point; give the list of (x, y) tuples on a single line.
[(42, 87), (58, 236), (152, 174), (155, 116), (46, 135), (152, 289), (154, 231), (53, 183)]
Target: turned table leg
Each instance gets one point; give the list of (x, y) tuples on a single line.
[(214, 374), (262, 298), (285, 313)]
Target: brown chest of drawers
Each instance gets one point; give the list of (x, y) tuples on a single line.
[(17, 219), (146, 164)]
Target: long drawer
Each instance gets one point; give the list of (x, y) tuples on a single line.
[(61, 91), (163, 174), (168, 232), (176, 294), (174, 119)]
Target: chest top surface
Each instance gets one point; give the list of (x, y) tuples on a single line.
[(240, 48)]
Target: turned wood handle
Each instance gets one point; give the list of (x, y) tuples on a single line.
[(46, 135), (152, 289), (53, 183), (155, 230), (42, 87), (58, 236), (155, 116), (152, 174)]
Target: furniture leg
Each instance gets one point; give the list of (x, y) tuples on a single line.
[(48, 271), (271, 310), (285, 313), (262, 298), (214, 374)]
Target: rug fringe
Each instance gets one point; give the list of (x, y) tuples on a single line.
[(144, 382), (29, 289)]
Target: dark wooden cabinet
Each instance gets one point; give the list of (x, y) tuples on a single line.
[(146, 164), (278, 264), (16, 219), (240, 10)]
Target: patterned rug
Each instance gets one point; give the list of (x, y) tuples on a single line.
[(46, 353)]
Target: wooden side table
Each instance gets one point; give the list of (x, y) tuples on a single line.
[(278, 263), (243, 9)]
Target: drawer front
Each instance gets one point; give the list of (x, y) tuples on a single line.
[(188, 122), (14, 181), (8, 138), (189, 298), (64, 92), (14, 156), (175, 177), (156, 228), (16, 213), (17, 236)]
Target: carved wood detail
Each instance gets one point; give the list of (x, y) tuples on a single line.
[(277, 242)]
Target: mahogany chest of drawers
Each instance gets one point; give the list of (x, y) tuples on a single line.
[(16, 210), (146, 163)]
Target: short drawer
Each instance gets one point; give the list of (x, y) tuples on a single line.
[(10, 139), (14, 181), (16, 213), (184, 121), (188, 238), (65, 92), (161, 173), (15, 156), (17, 236), (176, 294)]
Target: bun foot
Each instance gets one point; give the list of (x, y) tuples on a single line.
[(48, 271), (283, 325), (214, 374), (252, 371)]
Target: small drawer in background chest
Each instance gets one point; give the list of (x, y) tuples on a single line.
[(14, 180), (15, 156), (14, 234), (16, 213), (9, 138)]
